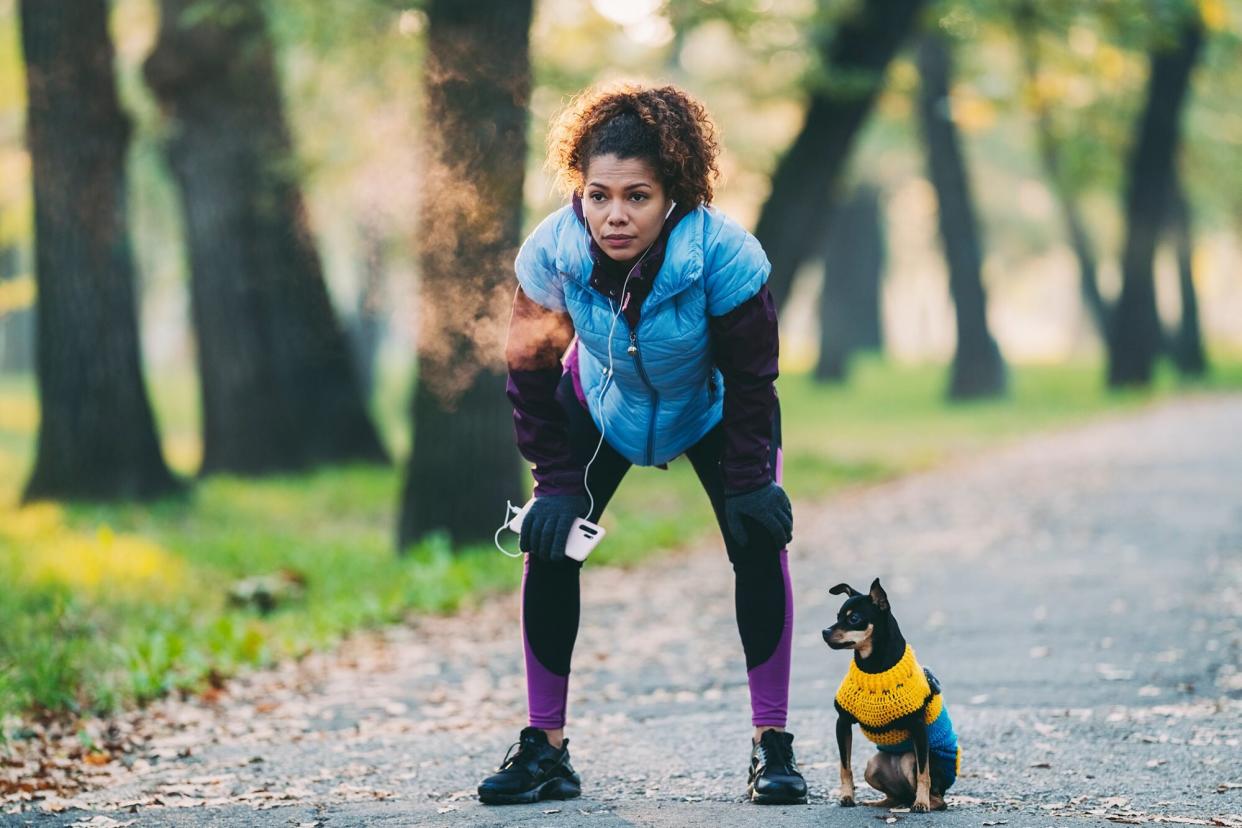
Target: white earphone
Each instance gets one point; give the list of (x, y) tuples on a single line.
[(608, 373)]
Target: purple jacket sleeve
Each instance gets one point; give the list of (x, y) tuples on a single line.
[(745, 346), (542, 430)]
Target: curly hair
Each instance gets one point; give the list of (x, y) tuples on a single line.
[(664, 126)]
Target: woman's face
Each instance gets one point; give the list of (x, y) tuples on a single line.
[(624, 204)]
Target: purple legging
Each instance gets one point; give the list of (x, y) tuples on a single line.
[(763, 594)]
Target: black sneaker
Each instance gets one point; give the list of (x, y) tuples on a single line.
[(537, 771), (774, 777)]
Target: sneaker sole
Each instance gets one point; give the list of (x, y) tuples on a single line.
[(770, 799), (552, 789)]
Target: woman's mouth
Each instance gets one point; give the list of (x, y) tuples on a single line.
[(618, 241)]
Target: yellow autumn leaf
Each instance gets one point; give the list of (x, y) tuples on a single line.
[(972, 113), (1215, 14), (1110, 62), (1048, 89)]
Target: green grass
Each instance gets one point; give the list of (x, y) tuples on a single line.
[(107, 605)]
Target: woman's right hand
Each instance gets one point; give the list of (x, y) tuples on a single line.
[(545, 528)]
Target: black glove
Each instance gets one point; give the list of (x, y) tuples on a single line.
[(545, 529), (768, 506)]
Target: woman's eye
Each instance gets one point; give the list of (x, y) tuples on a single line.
[(596, 197), (639, 196)]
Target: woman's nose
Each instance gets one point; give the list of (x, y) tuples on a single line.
[(616, 214)]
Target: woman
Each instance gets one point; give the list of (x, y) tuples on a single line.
[(675, 352)]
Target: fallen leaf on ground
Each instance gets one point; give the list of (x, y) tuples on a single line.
[(99, 821)]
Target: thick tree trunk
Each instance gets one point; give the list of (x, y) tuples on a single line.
[(97, 437), (278, 385), (978, 369), (1186, 345), (1050, 157), (795, 216), (464, 464), (849, 306), (1135, 337)]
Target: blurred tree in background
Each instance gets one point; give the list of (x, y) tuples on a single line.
[(855, 53), (850, 300), (477, 78), (978, 369), (1171, 32), (1135, 338), (279, 387), (1185, 346), (1027, 26), (97, 434)]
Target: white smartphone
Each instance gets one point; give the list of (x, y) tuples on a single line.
[(583, 535)]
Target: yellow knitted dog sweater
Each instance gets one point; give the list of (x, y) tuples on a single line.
[(878, 699)]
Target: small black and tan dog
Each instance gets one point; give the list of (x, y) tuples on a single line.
[(897, 704)]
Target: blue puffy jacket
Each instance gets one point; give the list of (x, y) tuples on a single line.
[(662, 398)]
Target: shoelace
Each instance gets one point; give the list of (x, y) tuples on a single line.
[(509, 761), (512, 759), (781, 755)]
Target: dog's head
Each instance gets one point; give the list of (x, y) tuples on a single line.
[(859, 618)]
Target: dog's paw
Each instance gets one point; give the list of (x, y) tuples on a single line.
[(847, 801), (921, 806)]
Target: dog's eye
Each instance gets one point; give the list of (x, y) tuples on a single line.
[(853, 618)]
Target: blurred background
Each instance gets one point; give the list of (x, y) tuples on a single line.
[(256, 265)]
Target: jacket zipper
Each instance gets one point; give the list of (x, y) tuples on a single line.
[(655, 396)]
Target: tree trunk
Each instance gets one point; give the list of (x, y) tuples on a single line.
[(794, 219), (464, 464), (850, 298), (97, 437), (1186, 346), (278, 385), (1135, 337), (1050, 157), (978, 369)]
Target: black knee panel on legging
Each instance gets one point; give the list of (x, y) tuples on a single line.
[(550, 608), (759, 597)]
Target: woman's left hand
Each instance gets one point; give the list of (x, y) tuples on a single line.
[(768, 506)]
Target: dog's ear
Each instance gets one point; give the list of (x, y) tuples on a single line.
[(846, 588), (878, 596)]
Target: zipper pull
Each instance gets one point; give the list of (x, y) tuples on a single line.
[(633, 349)]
